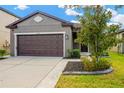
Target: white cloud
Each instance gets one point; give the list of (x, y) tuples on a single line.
[(118, 19), (22, 7), (114, 13), (74, 21), (61, 6), (71, 12)]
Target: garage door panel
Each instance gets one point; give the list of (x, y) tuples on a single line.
[(39, 52), (40, 45)]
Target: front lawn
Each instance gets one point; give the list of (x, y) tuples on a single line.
[(113, 80)]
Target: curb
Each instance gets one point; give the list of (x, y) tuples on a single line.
[(88, 73)]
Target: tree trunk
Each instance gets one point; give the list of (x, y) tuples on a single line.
[(97, 57)]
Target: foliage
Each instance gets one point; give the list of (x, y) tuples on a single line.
[(74, 53), (6, 46), (95, 32), (105, 53), (102, 64), (2, 52), (90, 64)]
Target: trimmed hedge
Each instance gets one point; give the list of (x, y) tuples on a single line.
[(2, 52), (74, 53)]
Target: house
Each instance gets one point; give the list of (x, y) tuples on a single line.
[(41, 34), (120, 47), (5, 18)]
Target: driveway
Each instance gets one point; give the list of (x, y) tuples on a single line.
[(30, 72)]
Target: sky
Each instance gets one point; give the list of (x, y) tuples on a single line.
[(61, 12)]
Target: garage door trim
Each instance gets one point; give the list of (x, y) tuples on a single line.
[(37, 33)]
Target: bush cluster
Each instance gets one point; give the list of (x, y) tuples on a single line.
[(2, 53), (74, 53), (90, 64)]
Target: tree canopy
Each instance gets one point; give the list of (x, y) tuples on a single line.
[(95, 32)]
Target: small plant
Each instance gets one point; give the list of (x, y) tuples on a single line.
[(6, 46), (102, 64), (90, 64), (2, 53), (74, 53)]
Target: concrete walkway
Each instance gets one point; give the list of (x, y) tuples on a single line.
[(30, 72)]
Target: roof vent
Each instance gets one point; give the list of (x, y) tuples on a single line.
[(38, 19)]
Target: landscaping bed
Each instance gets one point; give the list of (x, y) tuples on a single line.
[(112, 80), (76, 68), (73, 66)]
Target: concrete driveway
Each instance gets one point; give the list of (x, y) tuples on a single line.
[(30, 72)]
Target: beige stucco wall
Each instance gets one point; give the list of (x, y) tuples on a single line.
[(46, 25), (114, 49), (5, 19), (119, 47)]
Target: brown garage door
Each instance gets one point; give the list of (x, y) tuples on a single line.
[(40, 45)]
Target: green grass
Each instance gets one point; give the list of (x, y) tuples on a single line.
[(112, 80)]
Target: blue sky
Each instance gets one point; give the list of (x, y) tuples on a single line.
[(59, 11), (51, 9)]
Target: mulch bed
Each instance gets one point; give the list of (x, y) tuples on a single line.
[(74, 66)]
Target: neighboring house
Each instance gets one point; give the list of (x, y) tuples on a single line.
[(5, 18), (41, 34), (120, 47)]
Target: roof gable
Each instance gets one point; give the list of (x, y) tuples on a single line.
[(14, 24)]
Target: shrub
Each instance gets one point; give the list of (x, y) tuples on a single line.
[(88, 65), (74, 53), (92, 65), (102, 64), (2, 52), (6, 46)]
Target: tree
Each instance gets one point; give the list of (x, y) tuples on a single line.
[(95, 32)]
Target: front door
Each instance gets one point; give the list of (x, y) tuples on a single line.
[(84, 48)]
